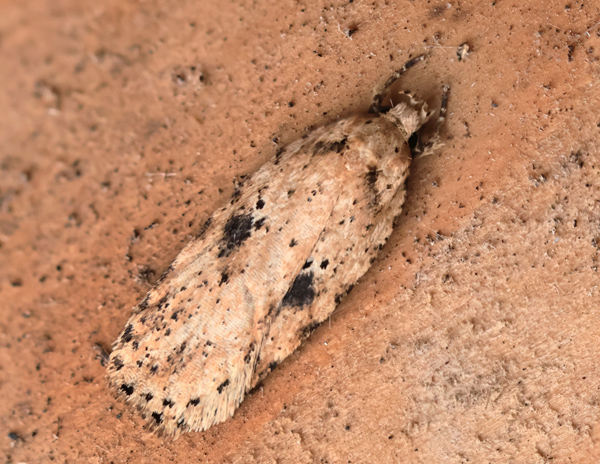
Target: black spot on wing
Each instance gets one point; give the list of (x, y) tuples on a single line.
[(143, 305), (158, 417), (128, 389), (237, 230), (163, 302), (222, 386), (335, 146), (371, 176), (193, 402), (252, 346), (237, 193), (126, 337), (258, 224), (272, 365), (182, 347), (118, 363), (371, 181), (224, 277), (308, 329), (302, 291)]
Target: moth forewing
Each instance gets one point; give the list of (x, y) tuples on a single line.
[(265, 270)]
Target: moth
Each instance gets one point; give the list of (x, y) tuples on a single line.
[(266, 269)]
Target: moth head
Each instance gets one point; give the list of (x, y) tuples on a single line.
[(409, 116)]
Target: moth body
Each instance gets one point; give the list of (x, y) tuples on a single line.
[(265, 270)]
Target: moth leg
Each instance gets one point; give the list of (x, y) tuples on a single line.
[(376, 106), (429, 147), (443, 108)]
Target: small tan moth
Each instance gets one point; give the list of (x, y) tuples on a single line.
[(266, 269)]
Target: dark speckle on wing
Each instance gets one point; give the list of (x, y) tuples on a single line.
[(222, 386), (302, 291), (127, 389), (335, 146), (371, 181), (126, 337), (237, 230)]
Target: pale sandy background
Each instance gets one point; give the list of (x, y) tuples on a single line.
[(475, 335)]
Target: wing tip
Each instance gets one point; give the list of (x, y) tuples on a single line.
[(170, 419)]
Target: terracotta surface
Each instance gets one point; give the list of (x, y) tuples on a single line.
[(474, 336)]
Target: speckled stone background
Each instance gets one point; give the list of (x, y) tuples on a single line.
[(473, 338)]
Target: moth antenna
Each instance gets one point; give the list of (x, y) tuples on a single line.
[(376, 106)]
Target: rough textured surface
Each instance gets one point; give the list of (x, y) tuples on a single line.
[(474, 336)]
